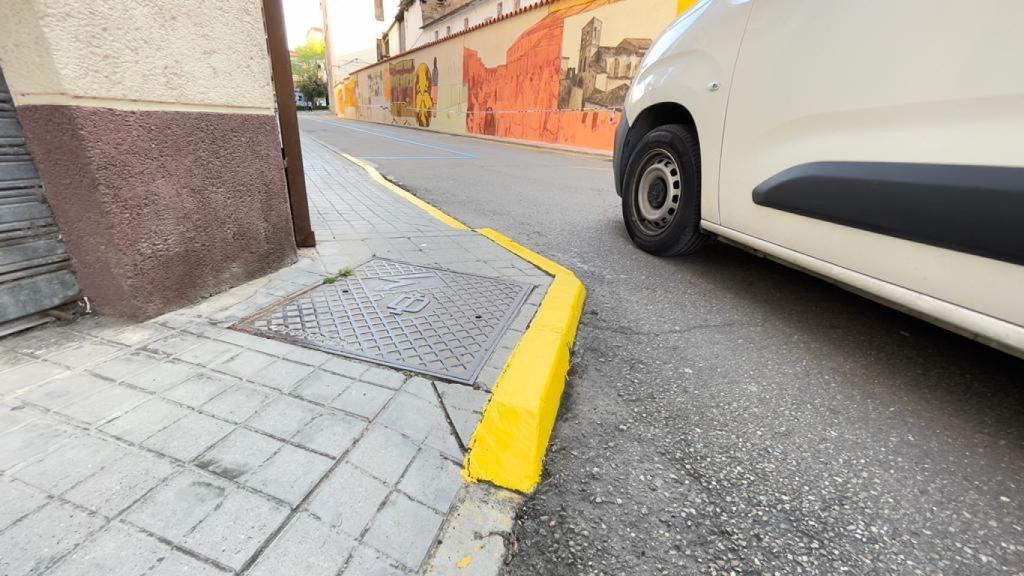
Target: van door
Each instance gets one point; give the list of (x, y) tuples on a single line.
[(864, 133)]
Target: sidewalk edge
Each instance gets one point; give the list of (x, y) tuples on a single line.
[(509, 444), (405, 194), (508, 447)]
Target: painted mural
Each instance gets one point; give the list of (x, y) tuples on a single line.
[(557, 74)]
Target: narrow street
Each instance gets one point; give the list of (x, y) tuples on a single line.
[(726, 414)]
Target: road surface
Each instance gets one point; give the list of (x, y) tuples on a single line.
[(724, 413)]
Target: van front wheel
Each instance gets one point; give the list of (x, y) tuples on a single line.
[(661, 199)]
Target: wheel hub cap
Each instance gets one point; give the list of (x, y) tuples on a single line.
[(658, 191)]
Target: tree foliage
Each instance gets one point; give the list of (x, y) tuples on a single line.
[(312, 86), (308, 56)]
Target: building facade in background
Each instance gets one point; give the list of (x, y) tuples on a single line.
[(552, 71), (151, 133)]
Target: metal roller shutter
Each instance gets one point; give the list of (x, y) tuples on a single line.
[(35, 270)]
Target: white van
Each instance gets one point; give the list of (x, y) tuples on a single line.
[(877, 144)]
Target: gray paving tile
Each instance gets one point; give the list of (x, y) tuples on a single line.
[(145, 420), (108, 403), (465, 423), (412, 416), (462, 397), (188, 437), (162, 376), (284, 416), (18, 499), (238, 403), (257, 343), (45, 340), (43, 537), (83, 355), (432, 479), (176, 506), (174, 344), (9, 359), (307, 547), (210, 353), (383, 453), (421, 388), (178, 564), (362, 399), (331, 434), (28, 441), (116, 551), (307, 356), (239, 453), (289, 474), (349, 499), (404, 530), (69, 463), (236, 529), (28, 375), (366, 561), (120, 483), (345, 367), (199, 389), (245, 364), (443, 440), (15, 415), (65, 389), (281, 374), (386, 377), (322, 387), (138, 334), (120, 367)]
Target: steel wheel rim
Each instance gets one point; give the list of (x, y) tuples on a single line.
[(658, 192)]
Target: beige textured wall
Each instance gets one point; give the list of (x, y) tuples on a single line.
[(137, 54)]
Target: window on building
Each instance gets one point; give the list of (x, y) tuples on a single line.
[(447, 30), (465, 23), (499, 9), (437, 34)]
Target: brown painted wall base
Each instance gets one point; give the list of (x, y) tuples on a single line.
[(161, 209)]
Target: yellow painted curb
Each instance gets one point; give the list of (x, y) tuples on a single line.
[(405, 194), (508, 447)]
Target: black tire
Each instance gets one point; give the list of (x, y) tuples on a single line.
[(664, 217)]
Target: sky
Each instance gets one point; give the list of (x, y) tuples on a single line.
[(352, 20)]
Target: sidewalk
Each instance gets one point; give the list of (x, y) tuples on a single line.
[(180, 446)]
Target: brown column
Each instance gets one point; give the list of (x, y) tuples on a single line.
[(277, 43)]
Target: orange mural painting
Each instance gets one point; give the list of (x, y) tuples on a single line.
[(555, 72), (531, 96)]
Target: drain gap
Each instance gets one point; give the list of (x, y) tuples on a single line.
[(448, 417)]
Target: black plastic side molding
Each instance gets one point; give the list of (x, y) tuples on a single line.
[(974, 209)]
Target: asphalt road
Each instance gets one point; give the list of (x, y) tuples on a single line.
[(726, 414)]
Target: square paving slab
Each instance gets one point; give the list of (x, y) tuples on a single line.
[(424, 319)]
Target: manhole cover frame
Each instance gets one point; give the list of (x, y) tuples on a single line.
[(247, 325)]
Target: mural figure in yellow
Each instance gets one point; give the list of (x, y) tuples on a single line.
[(424, 102)]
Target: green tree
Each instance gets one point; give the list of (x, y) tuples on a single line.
[(312, 86), (309, 56)]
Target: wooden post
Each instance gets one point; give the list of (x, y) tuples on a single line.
[(281, 72)]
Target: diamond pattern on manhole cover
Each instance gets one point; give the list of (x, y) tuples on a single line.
[(429, 320)]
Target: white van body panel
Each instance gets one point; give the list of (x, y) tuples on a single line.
[(873, 81), (697, 49)]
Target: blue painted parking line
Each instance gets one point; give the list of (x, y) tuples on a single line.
[(457, 153)]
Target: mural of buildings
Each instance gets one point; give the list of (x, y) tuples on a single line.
[(604, 73), (557, 72)]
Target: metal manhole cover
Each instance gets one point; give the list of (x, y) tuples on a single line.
[(424, 319)]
